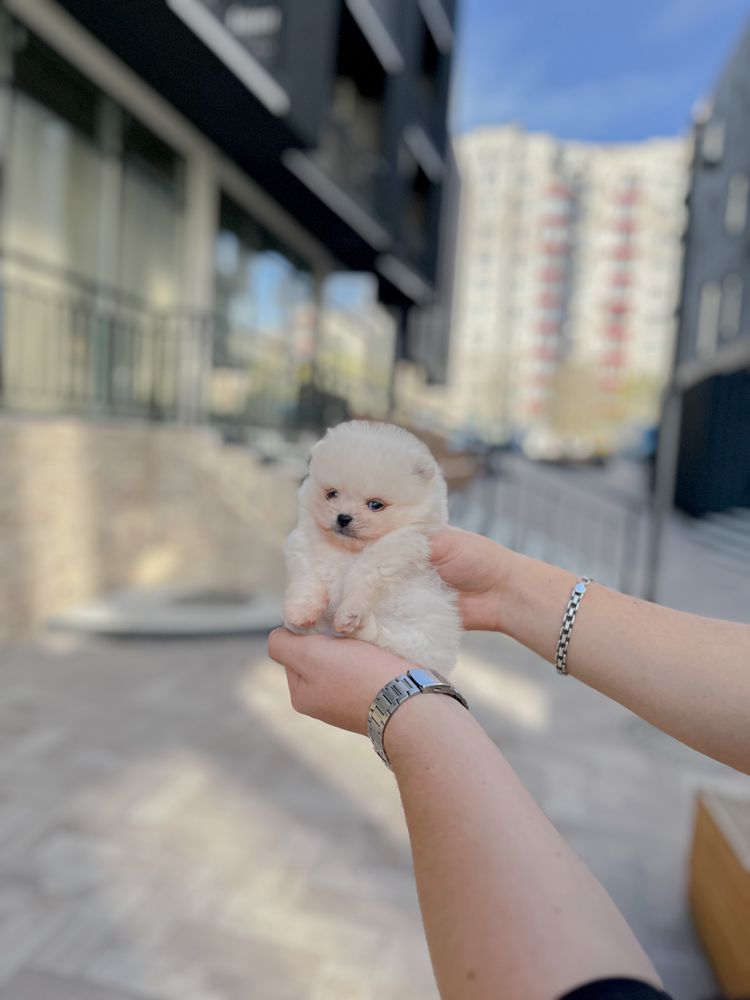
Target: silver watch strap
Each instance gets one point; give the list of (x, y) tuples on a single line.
[(561, 656), (415, 681)]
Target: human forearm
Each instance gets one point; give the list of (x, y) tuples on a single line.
[(508, 909), (685, 674)]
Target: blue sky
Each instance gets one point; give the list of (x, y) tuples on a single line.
[(590, 69)]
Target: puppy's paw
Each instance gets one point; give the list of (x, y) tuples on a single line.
[(304, 612), (349, 618)]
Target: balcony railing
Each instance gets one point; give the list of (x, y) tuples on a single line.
[(551, 514), (68, 347)]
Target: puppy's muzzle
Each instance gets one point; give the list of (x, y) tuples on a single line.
[(341, 527)]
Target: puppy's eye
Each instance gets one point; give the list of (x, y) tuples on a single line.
[(375, 504), (331, 494)]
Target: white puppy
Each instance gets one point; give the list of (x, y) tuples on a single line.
[(359, 559)]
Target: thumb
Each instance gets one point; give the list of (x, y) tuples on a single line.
[(299, 653)]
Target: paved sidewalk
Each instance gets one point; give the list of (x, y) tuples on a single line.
[(169, 829)]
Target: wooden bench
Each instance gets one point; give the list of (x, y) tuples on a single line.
[(720, 888)]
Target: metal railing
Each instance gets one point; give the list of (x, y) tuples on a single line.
[(70, 346), (546, 513), (70, 351)]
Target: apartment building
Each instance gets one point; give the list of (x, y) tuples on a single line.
[(567, 282)]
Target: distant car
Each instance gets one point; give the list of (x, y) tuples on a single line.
[(543, 444), (649, 442), (467, 442), (640, 443)]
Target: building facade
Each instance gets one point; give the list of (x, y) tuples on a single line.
[(177, 187), (708, 409), (567, 283)]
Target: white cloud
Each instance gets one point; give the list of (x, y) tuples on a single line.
[(591, 105), (517, 89), (583, 108), (675, 16)]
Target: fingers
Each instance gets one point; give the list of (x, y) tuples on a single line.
[(297, 652), (296, 689), (450, 553), (316, 657), (447, 543), (442, 544), (279, 645), (332, 678)]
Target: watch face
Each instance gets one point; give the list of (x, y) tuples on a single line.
[(426, 678)]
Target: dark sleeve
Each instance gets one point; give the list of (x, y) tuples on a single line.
[(616, 989)]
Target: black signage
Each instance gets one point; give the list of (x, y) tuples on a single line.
[(256, 24)]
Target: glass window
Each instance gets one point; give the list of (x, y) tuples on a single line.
[(68, 206), (53, 189), (708, 318), (713, 143), (735, 215), (259, 282), (92, 208), (264, 299), (46, 77), (416, 213), (356, 344), (148, 153), (150, 239), (731, 306), (429, 62), (351, 140)]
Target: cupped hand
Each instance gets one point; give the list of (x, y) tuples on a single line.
[(332, 679), (480, 570)]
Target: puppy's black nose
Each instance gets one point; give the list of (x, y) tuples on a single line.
[(344, 519)]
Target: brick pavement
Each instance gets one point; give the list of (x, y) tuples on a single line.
[(170, 829)]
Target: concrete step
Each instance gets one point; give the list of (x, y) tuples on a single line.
[(172, 612)]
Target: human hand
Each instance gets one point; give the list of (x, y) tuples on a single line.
[(331, 679), (480, 570)]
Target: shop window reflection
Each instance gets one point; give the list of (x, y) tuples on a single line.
[(265, 333)]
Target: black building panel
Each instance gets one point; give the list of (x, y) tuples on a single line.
[(712, 357), (356, 90), (714, 459)]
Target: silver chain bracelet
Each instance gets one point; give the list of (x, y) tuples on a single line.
[(561, 657)]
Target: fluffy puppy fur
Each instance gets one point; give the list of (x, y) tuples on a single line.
[(358, 561)]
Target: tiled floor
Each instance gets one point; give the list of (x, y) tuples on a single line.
[(170, 829)]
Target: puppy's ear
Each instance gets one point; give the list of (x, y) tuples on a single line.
[(425, 468)]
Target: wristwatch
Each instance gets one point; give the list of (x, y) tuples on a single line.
[(417, 680)]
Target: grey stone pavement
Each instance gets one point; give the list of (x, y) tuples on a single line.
[(171, 830)]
